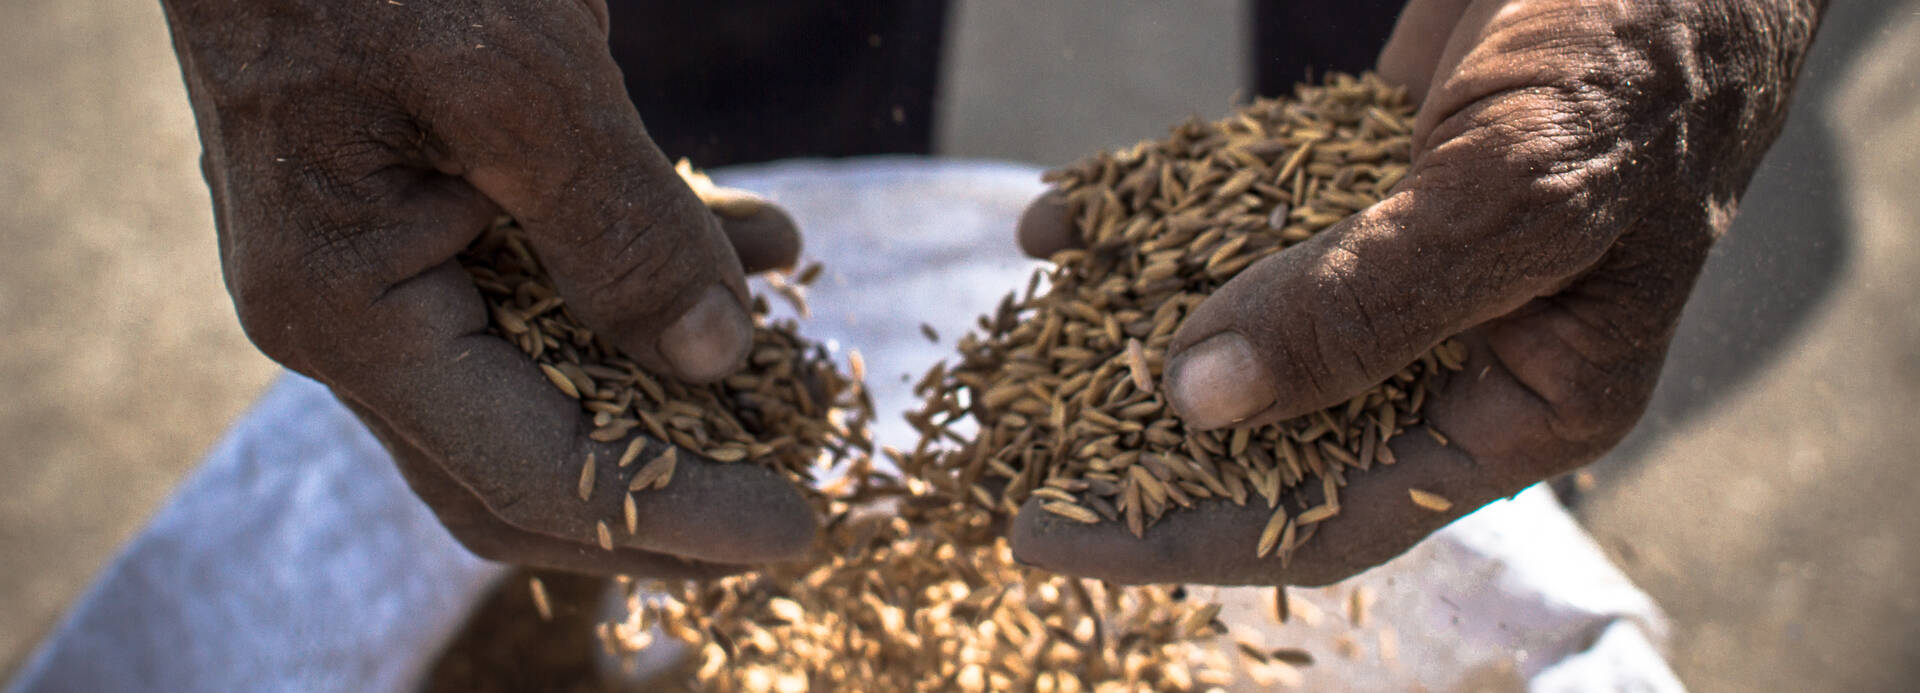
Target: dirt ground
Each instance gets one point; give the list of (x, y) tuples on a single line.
[(1765, 501)]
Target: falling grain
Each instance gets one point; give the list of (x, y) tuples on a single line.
[(1357, 601), (540, 603), (808, 275)]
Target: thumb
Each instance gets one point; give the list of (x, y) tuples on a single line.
[(631, 248), (1504, 209)]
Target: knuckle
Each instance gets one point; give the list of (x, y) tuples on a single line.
[(268, 306), (295, 292), (1601, 397), (1593, 421), (1361, 332)]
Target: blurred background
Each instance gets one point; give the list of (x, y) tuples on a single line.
[(1766, 500)]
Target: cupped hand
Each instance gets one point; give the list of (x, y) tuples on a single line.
[(1573, 163), (354, 149)]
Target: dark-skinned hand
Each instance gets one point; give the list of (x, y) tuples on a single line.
[(353, 149), (1573, 163)]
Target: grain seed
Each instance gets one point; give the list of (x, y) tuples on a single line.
[(654, 474), (632, 452), (1429, 500), (586, 477), (632, 513), (1270, 536), (1071, 512), (560, 380), (1137, 365), (540, 603)]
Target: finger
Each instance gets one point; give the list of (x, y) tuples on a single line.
[(1420, 37), (1046, 227), (630, 247), (763, 235), (1521, 193), (477, 529)]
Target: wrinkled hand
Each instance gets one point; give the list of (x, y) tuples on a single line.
[(354, 149), (1573, 163)]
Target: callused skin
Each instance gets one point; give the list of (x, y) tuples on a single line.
[(1574, 161), (353, 149)]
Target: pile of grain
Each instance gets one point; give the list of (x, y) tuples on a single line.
[(912, 586), (787, 409), (1058, 399), (909, 588)]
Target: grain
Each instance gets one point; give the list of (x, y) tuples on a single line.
[(1270, 536), (790, 406), (540, 602), (911, 585), (1137, 366), (926, 599), (655, 473), (560, 380), (1294, 656), (604, 535), (1429, 500), (811, 273), (586, 477), (632, 452), (1071, 512), (1060, 385)]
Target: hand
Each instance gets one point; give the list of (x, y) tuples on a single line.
[(1573, 163), (354, 149)]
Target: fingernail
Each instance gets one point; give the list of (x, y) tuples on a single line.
[(733, 203), (710, 340), (1219, 381)]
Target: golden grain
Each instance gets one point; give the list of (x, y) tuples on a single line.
[(632, 512), (560, 380), (655, 471), (1318, 513), (632, 452), (1270, 536), (540, 602), (1429, 500), (586, 477), (1070, 511)]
